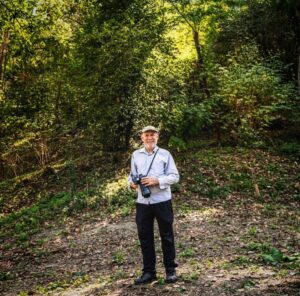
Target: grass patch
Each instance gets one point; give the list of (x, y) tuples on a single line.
[(291, 148), (27, 221), (273, 256), (218, 172), (118, 258), (241, 181), (75, 281), (248, 283), (184, 208), (176, 188), (5, 276), (270, 209), (186, 251), (190, 277), (252, 231), (241, 261), (118, 275)]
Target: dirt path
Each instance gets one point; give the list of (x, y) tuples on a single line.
[(219, 253)]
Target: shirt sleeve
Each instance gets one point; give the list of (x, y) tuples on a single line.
[(171, 175), (133, 170)]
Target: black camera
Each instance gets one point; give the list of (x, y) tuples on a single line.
[(146, 192)]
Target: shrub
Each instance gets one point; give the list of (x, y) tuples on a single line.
[(254, 97)]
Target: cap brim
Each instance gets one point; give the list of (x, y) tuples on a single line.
[(149, 130)]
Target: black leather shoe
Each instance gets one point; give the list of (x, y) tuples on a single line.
[(171, 277), (145, 278)]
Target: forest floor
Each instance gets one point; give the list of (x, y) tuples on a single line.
[(228, 241)]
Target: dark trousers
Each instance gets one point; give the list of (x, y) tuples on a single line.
[(145, 215)]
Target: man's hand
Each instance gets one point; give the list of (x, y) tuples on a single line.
[(150, 181), (133, 186)]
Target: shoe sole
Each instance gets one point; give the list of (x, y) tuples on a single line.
[(171, 281), (147, 282)]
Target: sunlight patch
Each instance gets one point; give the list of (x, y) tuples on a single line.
[(110, 189)]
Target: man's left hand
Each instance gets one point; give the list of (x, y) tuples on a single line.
[(149, 181)]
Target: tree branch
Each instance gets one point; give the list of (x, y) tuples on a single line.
[(182, 14)]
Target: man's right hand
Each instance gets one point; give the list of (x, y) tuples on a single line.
[(133, 186)]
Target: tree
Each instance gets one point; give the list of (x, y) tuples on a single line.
[(202, 18), (36, 44), (272, 24), (116, 40)]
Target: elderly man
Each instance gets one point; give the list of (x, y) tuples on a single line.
[(157, 172)]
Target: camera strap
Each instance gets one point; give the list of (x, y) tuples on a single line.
[(152, 162)]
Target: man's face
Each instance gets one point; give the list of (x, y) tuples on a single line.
[(149, 139)]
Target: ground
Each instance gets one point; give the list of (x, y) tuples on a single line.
[(233, 244), (91, 256)]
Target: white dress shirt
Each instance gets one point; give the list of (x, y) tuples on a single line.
[(163, 168)]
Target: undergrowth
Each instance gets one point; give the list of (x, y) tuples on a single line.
[(213, 173)]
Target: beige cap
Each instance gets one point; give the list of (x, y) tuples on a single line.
[(149, 128)]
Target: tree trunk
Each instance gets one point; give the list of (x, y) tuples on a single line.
[(57, 101), (297, 30), (128, 131), (3, 51), (200, 63), (298, 77)]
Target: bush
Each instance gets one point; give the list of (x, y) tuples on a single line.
[(291, 148), (177, 143), (254, 97)]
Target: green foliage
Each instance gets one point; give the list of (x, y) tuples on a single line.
[(5, 276), (118, 197), (252, 231), (28, 219), (184, 209), (109, 68), (119, 274), (76, 204), (195, 119), (75, 280), (248, 283), (94, 72), (118, 258), (241, 260), (116, 40), (276, 19), (292, 148), (109, 195), (208, 187), (254, 96), (175, 188), (186, 252), (218, 175), (177, 143), (37, 43), (272, 255), (190, 277)]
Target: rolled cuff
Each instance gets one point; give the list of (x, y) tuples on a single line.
[(167, 181)]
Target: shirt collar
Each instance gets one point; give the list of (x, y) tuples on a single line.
[(143, 150)]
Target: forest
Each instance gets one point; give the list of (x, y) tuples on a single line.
[(79, 79)]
